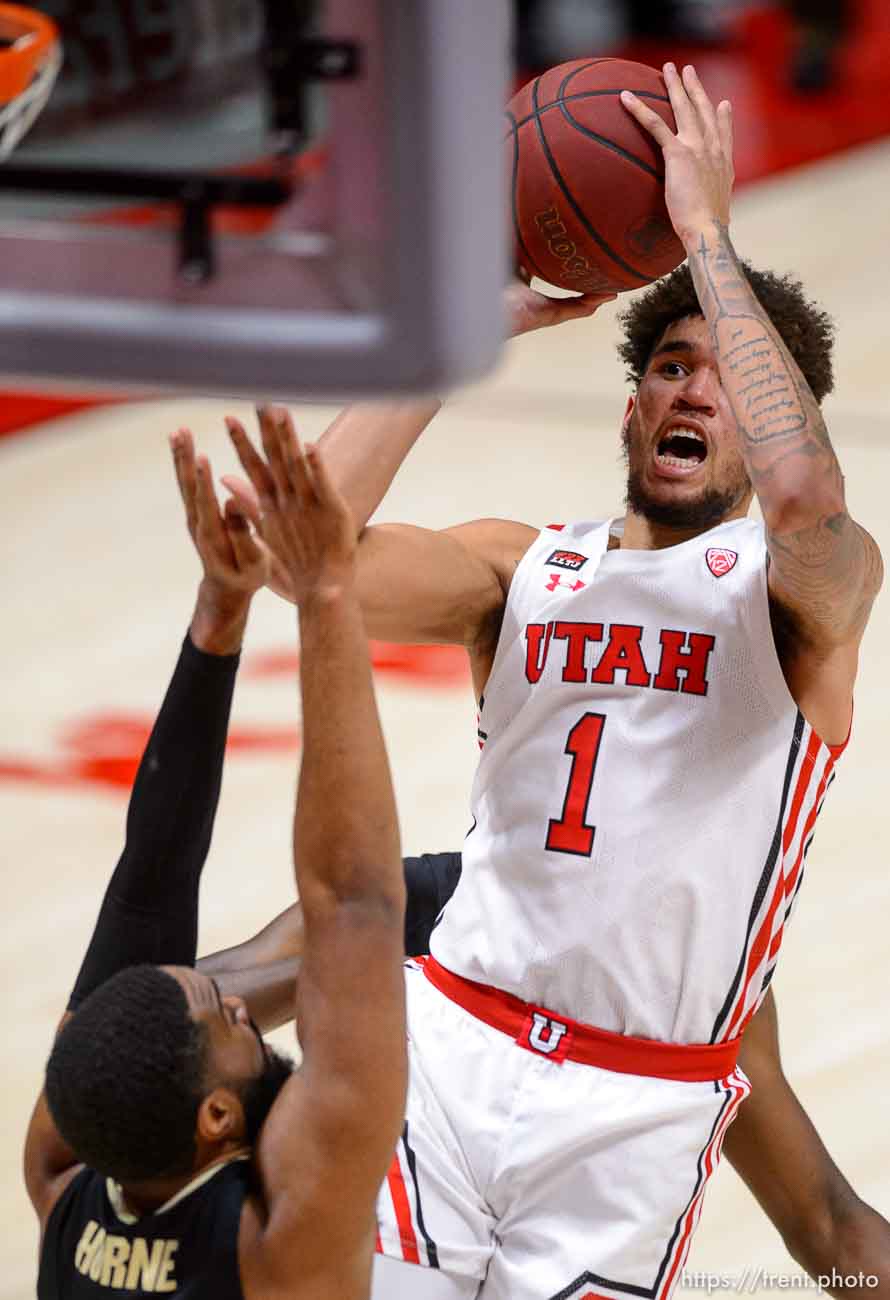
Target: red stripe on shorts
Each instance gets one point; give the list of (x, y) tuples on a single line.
[(402, 1207), (693, 1213)]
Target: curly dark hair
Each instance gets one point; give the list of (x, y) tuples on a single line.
[(806, 330), (125, 1077)]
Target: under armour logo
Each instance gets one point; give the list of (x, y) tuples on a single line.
[(557, 580), (541, 1033)]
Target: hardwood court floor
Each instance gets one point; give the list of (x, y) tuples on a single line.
[(98, 584)]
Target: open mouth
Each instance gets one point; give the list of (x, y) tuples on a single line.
[(682, 449)]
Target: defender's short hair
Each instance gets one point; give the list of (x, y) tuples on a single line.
[(124, 1078)]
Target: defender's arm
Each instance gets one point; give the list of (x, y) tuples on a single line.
[(149, 912), (775, 1148), (281, 940), (263, 970), (414, 584), (328, 1140)]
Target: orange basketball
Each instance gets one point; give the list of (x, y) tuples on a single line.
[(587, 182)]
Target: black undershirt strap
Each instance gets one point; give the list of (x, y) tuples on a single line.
[(150, 909)]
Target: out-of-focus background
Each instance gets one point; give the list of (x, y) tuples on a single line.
[(98, 575), (810, 39)]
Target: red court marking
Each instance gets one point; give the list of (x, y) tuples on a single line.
[(103, 734), (105, 750), (22, 410)]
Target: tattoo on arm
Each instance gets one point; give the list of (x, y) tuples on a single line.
[(776, 412), (831, 570), (824, 558)]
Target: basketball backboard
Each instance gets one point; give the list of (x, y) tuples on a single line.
[(277, 198)]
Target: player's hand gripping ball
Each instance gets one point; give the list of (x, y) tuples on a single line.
[(586, 181)]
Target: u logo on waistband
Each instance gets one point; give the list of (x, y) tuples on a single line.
[(544, 1035)]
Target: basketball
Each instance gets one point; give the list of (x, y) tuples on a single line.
[(586, 181)]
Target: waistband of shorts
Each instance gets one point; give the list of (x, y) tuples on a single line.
[(547, 1034)]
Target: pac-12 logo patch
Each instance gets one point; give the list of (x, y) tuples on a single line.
[(720, 560), (568, 560)]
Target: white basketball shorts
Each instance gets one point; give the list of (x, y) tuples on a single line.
[(541, 1175)]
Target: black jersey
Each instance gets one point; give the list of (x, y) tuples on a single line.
[(430, 881), (188, 1251)]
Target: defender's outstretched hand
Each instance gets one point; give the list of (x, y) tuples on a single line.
[(304, 519), (234, 560), (698, 159)]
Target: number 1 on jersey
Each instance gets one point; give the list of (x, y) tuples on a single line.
[(572, 834)]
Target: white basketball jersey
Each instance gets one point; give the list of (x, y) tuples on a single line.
[(647, 790)]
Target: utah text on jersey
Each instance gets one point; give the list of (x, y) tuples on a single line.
[(686, 653)]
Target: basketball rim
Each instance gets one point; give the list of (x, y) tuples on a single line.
[(30, 59)]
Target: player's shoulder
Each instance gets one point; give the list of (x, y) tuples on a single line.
[(570, 545), (742, 539), (576, 530), (748, 528), (511, 536), (500, 543), (57, 1194), (495, 533)]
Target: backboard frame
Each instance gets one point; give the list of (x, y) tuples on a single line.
[(435, 83)]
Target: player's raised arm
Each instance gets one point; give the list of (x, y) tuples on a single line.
[(775, 1148), (330, 1136), (825, 570), (150, 910), (415, 584), (367, 442)]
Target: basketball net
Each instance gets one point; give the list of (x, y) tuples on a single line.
[(29, 66)]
